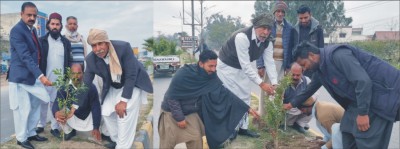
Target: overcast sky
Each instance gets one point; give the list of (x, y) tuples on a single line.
[(130, 21), (372, 15), (134, 21)]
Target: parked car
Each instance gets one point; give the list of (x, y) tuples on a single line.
[(166, 64)]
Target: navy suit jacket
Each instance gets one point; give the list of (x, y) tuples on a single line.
[(91, 104), (24, 67), (133, 72)]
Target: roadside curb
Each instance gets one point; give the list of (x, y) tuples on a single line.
[(310, 129), (144, 136)]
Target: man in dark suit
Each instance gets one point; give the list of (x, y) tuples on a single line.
[(26, 90), (125, 85)]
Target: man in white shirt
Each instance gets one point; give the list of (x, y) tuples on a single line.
[(55, 55), (234, 63)]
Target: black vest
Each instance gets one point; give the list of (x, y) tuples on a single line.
[(228, 53)]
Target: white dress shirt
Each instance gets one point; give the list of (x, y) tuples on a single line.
[(242, 48)]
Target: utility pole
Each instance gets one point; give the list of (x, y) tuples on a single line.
[(201, 27), (193, 43)]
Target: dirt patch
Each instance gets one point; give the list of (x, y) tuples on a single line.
[(295, 141)]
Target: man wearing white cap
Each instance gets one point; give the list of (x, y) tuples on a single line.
[(125, 83)]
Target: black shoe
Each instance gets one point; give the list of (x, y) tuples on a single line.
[(70, 135), (298, 128), (39, 130), (111, 145), (37, 138), (248, 133), (25, 144), (107, 138), (56, 133)]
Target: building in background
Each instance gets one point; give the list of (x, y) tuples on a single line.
[(8, 21), (345, 34), (386, 35)]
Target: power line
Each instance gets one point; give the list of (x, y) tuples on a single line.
[(376, 21), (366, 6)]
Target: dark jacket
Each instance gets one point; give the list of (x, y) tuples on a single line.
[(91, 104), (133, 72), (287, 28), (379, 81), (221, 110), (316, 37), (45, 51), (24, 66), (180, 108)]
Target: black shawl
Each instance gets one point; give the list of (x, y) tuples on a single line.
[(221, 110)]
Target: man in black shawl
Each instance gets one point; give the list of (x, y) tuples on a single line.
[(195, 97)]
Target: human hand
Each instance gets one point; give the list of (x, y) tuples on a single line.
[(120, 109), (182, 124), (96, 134), (71, 113), (254, 114), (45, 81), (287, 106), (60, 117), (261, 72), (363, 122), (267, 88)]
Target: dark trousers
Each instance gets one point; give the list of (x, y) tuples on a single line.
[(377, 136)]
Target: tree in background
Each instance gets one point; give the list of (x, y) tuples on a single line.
[(161, 45), (330, 14), (219, 28)]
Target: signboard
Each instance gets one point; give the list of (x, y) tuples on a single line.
[(135, 50), (187, 41)]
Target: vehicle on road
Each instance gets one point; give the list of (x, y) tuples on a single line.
[(166, 64)]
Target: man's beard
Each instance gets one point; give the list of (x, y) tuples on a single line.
[(55, 34), (313, 68)]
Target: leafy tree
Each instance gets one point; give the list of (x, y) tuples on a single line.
[(220, 28), (149, 44), (330, 14), (161, 45)]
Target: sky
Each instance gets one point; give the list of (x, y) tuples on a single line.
[(131, 21), (134, 21), (372, 15)]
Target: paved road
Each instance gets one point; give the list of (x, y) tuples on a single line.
[(160, 84), (7, 119)]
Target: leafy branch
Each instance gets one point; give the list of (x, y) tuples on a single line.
[(275, 114), (63, 84)]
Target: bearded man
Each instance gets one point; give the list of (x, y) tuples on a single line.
[(55, 52)]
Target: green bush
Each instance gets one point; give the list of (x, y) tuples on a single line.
[(385, 50)]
